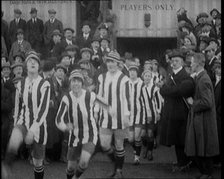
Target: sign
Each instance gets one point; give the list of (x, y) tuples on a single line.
[(133, 22), (65, 10)]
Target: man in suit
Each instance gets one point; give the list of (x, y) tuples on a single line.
[(17, 23), (50, 26), (201, 132), (20, 45), (128, 58), (68, 40), (104, 45), (209, 63), (177, 87), (35, 28), (214, 14), (96, 58), (5, 33), (85, 38)]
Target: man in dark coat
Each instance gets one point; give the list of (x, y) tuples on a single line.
[(201, 133), (51, 25), (5, 33), (84, 39), (177, 87), (17, 23), (35, 28)]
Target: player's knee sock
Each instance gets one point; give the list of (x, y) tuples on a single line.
[(119, 159), (138, 146), (39, 172), (70, 173), (79, 171), (10, 157), (110, 153), (150, 143)]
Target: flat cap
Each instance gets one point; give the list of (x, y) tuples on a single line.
[(51, 11), (105, 38), (200, 15), (83, 61), (177, 53), (61, 66), (19, 31), (17, 11), (19, 54), (72, 48), (33, 10), (95, 38), (56, 32), (86, 49), (187, 26), (69, 28), (16, 64)]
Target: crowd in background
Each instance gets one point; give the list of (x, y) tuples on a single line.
[(61, 52)]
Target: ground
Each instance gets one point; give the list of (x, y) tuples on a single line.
[(100, 167)]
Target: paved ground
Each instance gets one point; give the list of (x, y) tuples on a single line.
[(100, 167)]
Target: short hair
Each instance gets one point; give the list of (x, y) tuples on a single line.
[(199, 58)]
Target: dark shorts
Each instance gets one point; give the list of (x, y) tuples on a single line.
[(38, 150), (74, 153)]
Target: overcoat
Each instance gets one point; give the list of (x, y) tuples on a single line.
[(201, 133), (175, 112), (13, 27)]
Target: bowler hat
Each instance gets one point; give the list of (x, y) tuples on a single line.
[(17, 11), (214, 10), (51, 11), (202, 14), (86, 23), (33, 10), (68, 28)]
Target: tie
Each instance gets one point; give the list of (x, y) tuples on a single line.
[(51, 20), (17, 21)]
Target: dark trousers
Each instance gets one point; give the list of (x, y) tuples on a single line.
[(182, 159), (204, 164)]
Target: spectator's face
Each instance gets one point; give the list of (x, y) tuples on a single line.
[(17, 15), (202, 46), (103, 32), (72, 53), (148, 66), (167, 58), (176, 62), (213, 43), (194, 66), (85, 65), (218, 22), (210, 54), (104, 44), (121, 65), (187, 42), (68, 34), (86, 55), (137, 61), (18, 71), (186, 30), (60, 73), (34, 15), (56, 38), (18, 59), (86, 29), (202, 20), (214, 14), (95, 45), (52, 15), (32, 65), (20, 36), (218, 70), (133, 74), (154, 67), (65, 61), (49, 74), (6, 72), (76, 85), (112, 66), (147, 77)]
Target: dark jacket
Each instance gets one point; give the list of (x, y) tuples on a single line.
[(5, 34), (35, 31), (175, 111), (13, 27), (201, 133), (209, 69), (82, 42)]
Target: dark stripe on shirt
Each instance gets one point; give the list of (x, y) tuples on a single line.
[(118, 90)]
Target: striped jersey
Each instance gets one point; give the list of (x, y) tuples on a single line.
[(79, 112), (114, 90), (152, 101), (31, 106), (136, 102)]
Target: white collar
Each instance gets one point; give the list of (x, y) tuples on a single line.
[(20, 41), (177, 70), (85, 35), (68, 41), (52, 20), (211, 60), (59, 81)]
